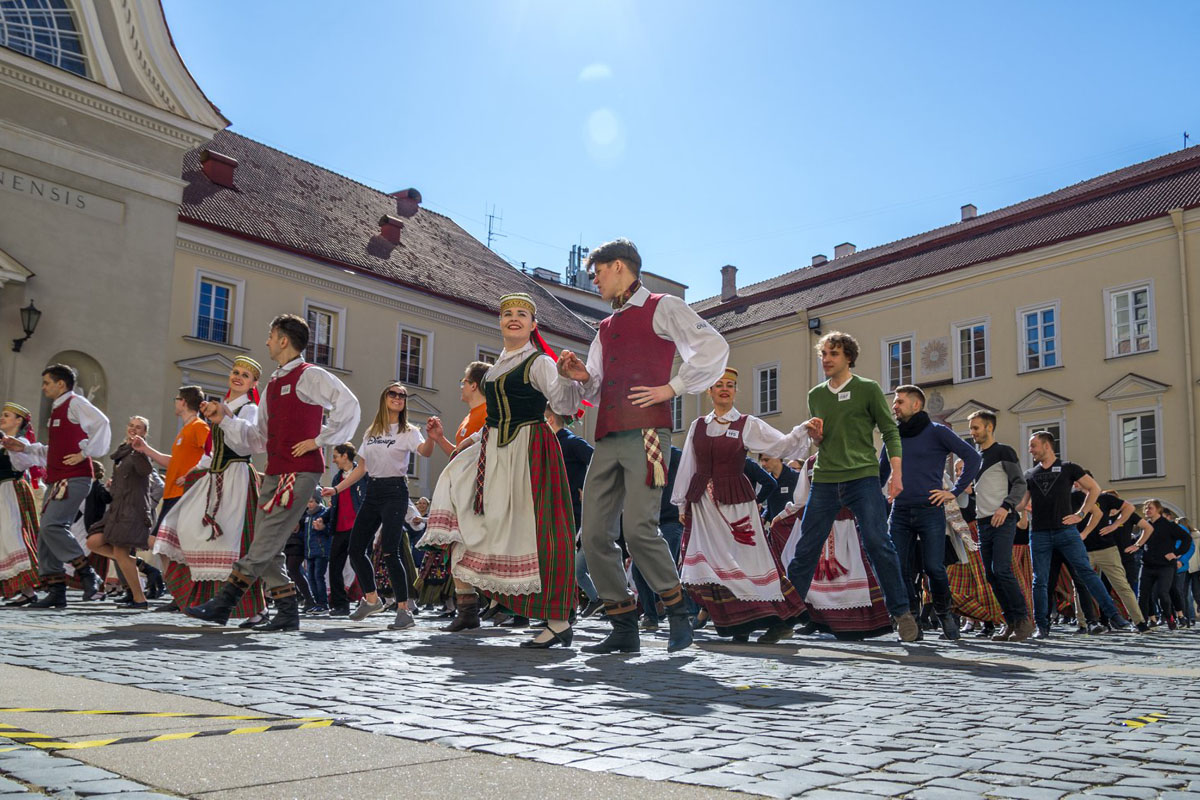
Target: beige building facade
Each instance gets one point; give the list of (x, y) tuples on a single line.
[(1073, 313)]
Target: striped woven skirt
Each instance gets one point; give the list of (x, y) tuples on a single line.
[(18, 556)]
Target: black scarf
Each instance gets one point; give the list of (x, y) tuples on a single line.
[(915, 424)]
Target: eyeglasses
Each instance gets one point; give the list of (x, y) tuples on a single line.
[(397, 395)]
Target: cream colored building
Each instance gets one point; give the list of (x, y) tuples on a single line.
[(159, 246), (1074, 312)]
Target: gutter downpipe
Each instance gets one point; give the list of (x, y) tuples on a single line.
[(1189, 376)]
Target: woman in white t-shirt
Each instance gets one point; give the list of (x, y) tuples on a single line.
[(384, 454)]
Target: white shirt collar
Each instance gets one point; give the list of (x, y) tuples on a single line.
[(519, 352), (733, 416), (238, 402), (288, 367), (638, 298), (836, 389), (62, 398)]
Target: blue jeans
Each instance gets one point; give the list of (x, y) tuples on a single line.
[(316, 579), (1067, 542), (864, 499), (928, 525), (583, 578), (673, 533)]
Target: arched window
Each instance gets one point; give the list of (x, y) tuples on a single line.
[(44, 29)]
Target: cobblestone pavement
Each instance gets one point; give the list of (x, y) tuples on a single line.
[(30, 774), (812, 716)]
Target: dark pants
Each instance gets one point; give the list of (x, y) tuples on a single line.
[(995, 548), (1179, 592), (293, 555), (673, 533), (385, 504), (1156, 590), (1192, 596), (339, 551), (1133, 567), (1042, 545), (920, 531), (1057, 565), (316, 577)]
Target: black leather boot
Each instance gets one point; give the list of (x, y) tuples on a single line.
[(56, 592), (467, 616), (88, 578), (949, 624), (677, 616), (624, 635), (218, 609), (287, 610)]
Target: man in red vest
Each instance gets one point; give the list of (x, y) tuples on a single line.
[(78, 432), (628, 377), (289, 430)]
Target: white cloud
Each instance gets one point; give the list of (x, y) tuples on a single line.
[(595, 72)]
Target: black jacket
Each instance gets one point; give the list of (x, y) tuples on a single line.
[(783, 494), (357, 492)]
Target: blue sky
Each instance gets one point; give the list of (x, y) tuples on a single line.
[(756, 133)]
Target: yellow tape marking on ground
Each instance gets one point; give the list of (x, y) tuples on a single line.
[(320, 723), (1143, 721), (171, 737)]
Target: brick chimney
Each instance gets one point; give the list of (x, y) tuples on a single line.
[(728, 283), (844, 249), (407, 202), (218, 167), (390, 227), (969, 211), (819, 259)]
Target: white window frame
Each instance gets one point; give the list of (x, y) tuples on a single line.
[(1110, 322), (885, 364), (1022, 344), (759, 411), (480, 350), (1116, 445), (677, 413), (339, 328), (426, 357), (415, 460), (235, 307), (956, 348), (1041, 423)]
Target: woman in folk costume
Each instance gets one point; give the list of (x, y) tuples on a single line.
[(213, 523), (504, 502), (844, 598), (18, 516), (728, 564), (969, 588)]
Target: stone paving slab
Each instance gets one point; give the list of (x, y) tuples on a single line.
[(808, 715)]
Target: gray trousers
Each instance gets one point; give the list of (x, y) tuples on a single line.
[(265, 559), (616, 482), (56, 545)]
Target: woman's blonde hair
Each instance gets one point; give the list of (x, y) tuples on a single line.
[(382, 420)]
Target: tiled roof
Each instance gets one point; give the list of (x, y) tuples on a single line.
[(1133, 194), (285, 202)]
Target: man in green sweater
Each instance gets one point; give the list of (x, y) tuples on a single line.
[(848, 409)]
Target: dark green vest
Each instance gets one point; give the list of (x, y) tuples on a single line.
[(222, 454), (513, 402), (7, 473)]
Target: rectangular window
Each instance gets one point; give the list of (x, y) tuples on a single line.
[(677, 413), (971, 351), (1040, 347), (320, 337), (1131, 320), (411, 362), (214, 316), (487, 356), (766, 389), (1138, 447), (897, 362)]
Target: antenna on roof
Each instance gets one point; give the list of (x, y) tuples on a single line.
[(493, 228), (1185, 139)]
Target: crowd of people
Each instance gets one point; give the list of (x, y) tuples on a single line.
[(745, 528)]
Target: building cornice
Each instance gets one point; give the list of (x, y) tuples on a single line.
[(76, 93), (257, 258)]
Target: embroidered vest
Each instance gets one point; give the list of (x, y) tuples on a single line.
[(65, 437), (722, 460), (291, 420), (513, 402), (634, 355)]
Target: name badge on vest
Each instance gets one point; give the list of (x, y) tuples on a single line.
[(1056, 469), (55, 423), (843, 396), (285, 390), (732, 434), (179, 441), (784, 489)]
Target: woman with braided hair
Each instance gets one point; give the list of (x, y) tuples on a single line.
[(212, 525), (503, 501), (18, 516)]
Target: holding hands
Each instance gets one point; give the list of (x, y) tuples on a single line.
[(569, 366), (815, 428), (434, 429), (213, 411)]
